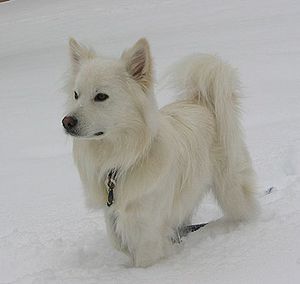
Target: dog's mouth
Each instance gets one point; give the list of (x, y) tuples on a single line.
[(77, 135), (98, 133)]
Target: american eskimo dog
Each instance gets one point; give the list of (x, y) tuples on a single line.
[(147, 167)]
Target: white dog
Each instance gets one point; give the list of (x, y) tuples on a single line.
[(147, 167)]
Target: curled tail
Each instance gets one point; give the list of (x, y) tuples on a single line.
[(208, 81)]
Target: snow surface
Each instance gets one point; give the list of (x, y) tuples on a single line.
[(47, 235)]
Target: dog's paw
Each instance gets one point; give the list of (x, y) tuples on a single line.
[(145, 262), (147, 258)]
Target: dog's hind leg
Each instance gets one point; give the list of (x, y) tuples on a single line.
[(235, 193)]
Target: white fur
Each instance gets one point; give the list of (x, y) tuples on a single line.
[(168, 158)]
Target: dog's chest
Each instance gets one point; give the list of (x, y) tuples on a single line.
[(91, 170), (113, 229)]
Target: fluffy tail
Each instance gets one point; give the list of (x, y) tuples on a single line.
[(207, 80)]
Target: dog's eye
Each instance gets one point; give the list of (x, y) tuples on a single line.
[(100, 97), (75, 95)]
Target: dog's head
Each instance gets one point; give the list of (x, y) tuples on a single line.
[(109, 96)]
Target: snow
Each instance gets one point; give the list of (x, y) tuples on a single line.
[(48, 236)]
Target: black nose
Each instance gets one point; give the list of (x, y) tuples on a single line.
[(69, 122)]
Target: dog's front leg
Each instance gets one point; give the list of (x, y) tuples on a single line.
[(147, 252), (143, 236)]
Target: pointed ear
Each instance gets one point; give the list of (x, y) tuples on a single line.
[(79, 53), (139, 63)]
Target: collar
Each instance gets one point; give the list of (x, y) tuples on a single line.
[(110, 183)]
